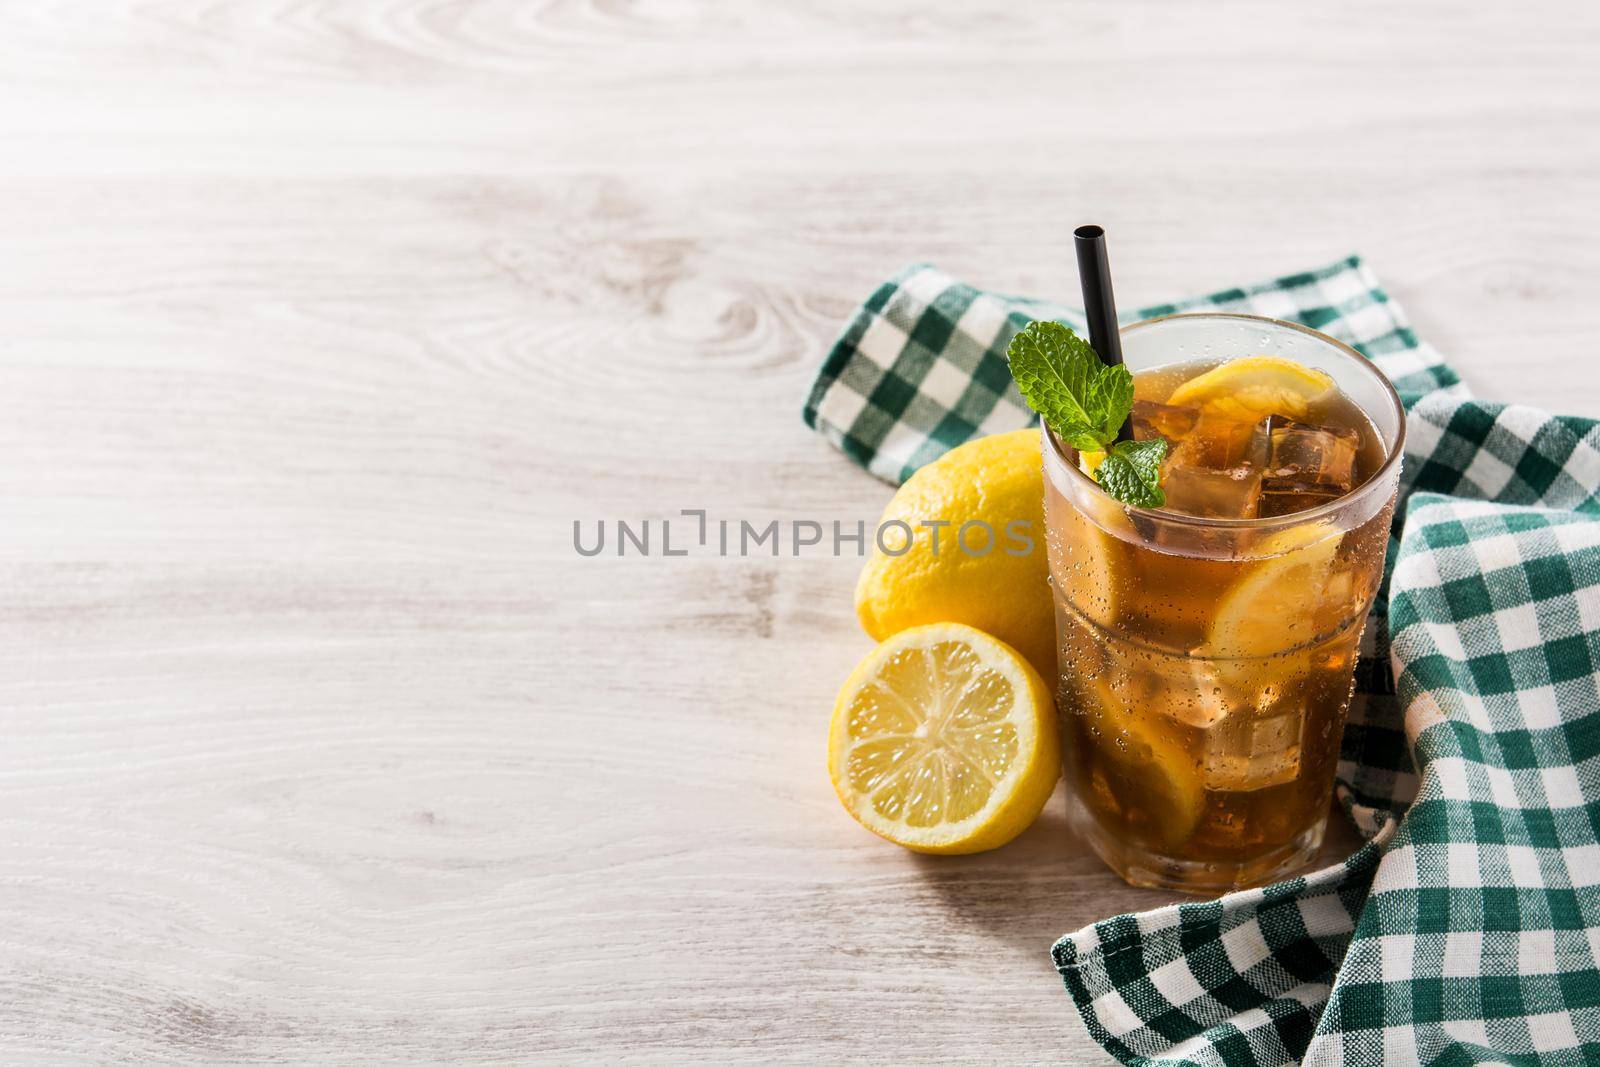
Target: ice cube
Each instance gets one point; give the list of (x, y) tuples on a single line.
[(1258, 447), (1220, 444), (1285, 496), (1189, 691), (1253, 749), (1234, 493), (1313, 455), (1143, 680), (1152, 419)]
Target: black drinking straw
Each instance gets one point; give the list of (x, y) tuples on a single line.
[(1099, 303)]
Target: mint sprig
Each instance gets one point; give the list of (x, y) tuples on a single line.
[(1131, 472), (1086, 402), (1082, 399)]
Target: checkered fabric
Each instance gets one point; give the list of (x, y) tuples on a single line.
[(1467, 929), (921, 366)]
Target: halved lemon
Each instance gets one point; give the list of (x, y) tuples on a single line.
[(1252, 387), (1281, 602), (944, 740)]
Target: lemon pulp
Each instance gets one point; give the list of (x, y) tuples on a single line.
[(944, 740)]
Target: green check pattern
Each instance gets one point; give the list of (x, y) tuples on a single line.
[(1467, 929), (921, 366)]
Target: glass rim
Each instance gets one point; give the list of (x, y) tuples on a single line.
[(1390, 461)]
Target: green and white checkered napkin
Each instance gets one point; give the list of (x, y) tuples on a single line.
[(1467, 929)]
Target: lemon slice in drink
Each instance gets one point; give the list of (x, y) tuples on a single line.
[(1085, 563), (944, 740), (1280, 602), (1253, 387), (1153, 772)]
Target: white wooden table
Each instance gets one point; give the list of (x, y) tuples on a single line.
[(319, 326)]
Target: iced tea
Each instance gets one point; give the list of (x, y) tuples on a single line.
[(1207, 648)]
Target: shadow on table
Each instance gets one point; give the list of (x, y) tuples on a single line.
[(1047, 883)]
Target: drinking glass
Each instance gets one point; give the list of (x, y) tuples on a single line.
[(1206, 665)]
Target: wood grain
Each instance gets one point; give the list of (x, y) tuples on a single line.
[(323, 322)]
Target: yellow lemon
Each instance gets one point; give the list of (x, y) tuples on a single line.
[(990, 495), (1251, 388), (944, 740)]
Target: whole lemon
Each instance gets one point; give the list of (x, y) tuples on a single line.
[(988, 568)]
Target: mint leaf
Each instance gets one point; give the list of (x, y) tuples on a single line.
[(1084, 401), (1131, 472)]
